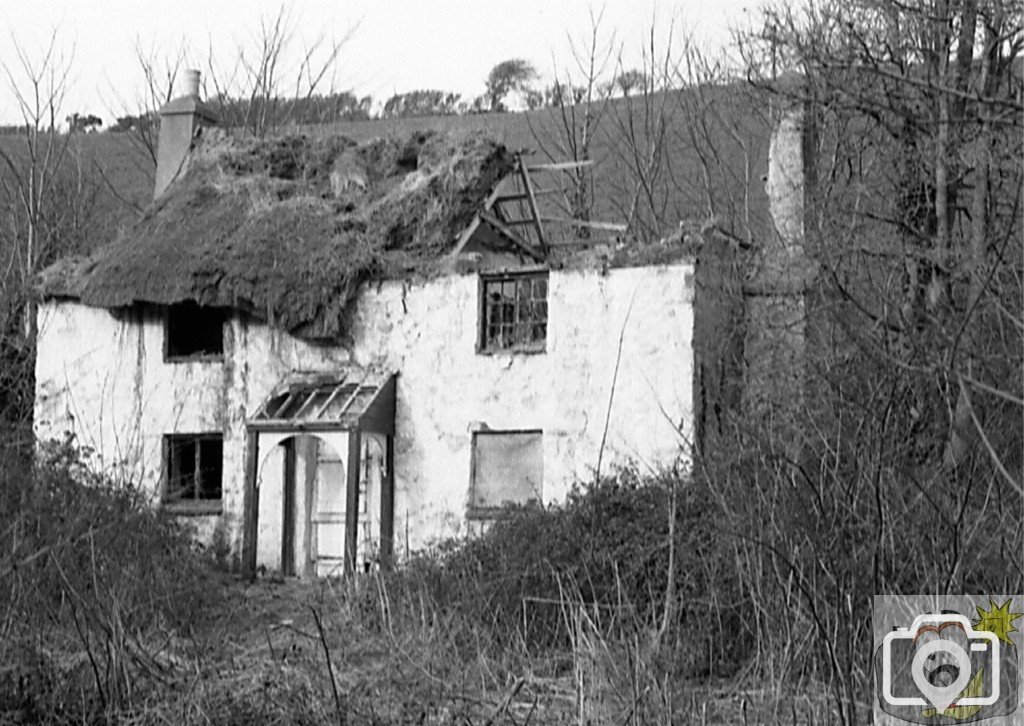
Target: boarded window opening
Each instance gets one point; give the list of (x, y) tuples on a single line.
[(508, 468), (193, 464), (514, 314), (194, 331)]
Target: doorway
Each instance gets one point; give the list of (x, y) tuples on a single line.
[(320, 474)]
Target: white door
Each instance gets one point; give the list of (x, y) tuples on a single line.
[(327, 516), (371, 475)]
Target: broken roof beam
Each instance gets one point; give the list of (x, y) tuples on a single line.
[(468, 232), (606, 226), (532, 201), (505, 229), (523, 196), (560, 165)]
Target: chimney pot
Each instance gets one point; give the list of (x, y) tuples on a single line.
[(192, 83), (179, 121)]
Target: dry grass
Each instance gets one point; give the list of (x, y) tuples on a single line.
[(110, 617), (263, 659)]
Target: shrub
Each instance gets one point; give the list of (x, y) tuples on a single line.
[(92, 577), (606, 549)]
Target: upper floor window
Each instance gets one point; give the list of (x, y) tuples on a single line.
[(194, 331), (514, 312)]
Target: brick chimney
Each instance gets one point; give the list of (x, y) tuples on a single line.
[(180, 121)]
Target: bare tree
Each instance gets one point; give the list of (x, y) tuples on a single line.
[(643, 121), (272, 73), (48, 196), (907, 475), (577, 104), (32, 167)]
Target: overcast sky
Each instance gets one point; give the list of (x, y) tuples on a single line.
[(394, 46)]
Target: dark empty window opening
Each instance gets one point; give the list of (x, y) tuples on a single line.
[(193, 465), (194, 331), (514, 315)]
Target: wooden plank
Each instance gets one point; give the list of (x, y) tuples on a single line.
[(576, 242), (379, 416), (288, 510), (352, 502), (561, 165), (519, 197), (309, 400), (465, 236), (334, 394), (350, 399), (504, 228), (608, 226), (287, 402), (468, 232), (532, 200), (387, 506), (250, 505)]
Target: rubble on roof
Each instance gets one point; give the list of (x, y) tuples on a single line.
[(287, 228)]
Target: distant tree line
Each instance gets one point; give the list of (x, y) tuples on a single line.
[(510, 86)]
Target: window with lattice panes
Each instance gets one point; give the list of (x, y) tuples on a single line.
[(514, 313)]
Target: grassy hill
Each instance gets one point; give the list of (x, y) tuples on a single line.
[(657, 160)]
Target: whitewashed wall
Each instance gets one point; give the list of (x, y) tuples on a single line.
[(104, 376)]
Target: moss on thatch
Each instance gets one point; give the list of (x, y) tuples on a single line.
[(288, 228)]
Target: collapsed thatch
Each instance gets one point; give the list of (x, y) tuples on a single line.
[(288, 228)]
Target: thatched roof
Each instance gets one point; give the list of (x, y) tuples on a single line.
[(288, 228)]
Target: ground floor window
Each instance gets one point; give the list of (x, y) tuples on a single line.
[(507, 468), (193, 469)]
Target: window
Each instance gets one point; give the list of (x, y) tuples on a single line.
[(194, 331), (193, 467), (514, 314), (508, 468)]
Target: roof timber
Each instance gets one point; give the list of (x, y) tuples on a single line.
[(497, 215)]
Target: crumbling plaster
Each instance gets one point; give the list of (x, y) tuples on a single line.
[(446, 389), (777, 278), (102, 374)]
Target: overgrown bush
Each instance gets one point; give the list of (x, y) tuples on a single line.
[(92, 581), (612, 552)]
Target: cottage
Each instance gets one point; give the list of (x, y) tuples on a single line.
[(332, 353)]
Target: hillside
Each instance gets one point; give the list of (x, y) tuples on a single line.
[(710, 161)]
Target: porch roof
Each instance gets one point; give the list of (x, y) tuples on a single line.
[(349, 398)]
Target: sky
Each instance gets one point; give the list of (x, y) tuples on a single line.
[(392, 46)]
